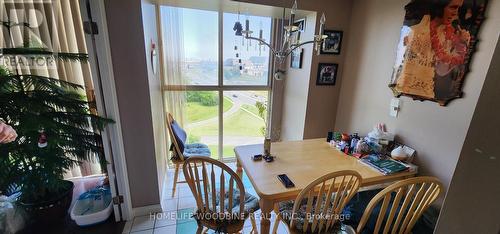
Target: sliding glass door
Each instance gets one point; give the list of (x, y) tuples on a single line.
[(215, 81)]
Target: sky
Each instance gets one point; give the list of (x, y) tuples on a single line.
[(200, 30)]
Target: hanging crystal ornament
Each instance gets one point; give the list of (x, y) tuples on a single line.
[(247, 34), (260, 37), (238, 28), (249, 42), (288, 43), (235, 52), (42, 139), (241, 28), (250, 33)]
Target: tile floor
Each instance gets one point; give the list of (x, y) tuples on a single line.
[(177, 210)]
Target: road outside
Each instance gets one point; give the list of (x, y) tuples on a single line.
[(241, 122)]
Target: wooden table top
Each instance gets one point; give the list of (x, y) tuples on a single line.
[(303, 162)]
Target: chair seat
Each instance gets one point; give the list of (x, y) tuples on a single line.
[(196, 149), (286, 211), (251, 205), (196, 146), (251, 202)]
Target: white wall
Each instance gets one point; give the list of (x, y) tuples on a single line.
[(155, 95), (296, 88), (472, 204), (437, 133), (321, 106), (126, 37)]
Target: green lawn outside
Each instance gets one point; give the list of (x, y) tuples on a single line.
[(243, 124), (227, 150), (240, 123), (213, 151), (196, 112), (251, 108)]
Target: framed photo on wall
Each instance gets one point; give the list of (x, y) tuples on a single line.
[(437, 41), (327, 74), (332, 43), (296, 58)]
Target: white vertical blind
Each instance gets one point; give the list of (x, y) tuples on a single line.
[(57, 26)]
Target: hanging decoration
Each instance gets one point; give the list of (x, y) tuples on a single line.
[(288, 44), (42, 139), (238, 28), (153, 57)]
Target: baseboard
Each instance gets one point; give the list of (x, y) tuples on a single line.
[(146, 210)]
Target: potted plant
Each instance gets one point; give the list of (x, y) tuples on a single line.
[(56, 131)]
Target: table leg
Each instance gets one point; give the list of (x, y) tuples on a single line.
[(239, 169), (266, 206)]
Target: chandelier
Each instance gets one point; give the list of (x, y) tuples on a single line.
[(288, 45)]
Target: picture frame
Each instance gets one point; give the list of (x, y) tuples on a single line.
[(333, 43), (435, 49), (296, 58), (327, 74)]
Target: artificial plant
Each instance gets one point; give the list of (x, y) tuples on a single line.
[(56, 129)]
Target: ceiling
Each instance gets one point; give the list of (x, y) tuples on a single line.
[(232, 6)]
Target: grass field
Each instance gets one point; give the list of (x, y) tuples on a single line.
[(251, 108), (227, 150), (243, 123), (240, 123), (196, 112)]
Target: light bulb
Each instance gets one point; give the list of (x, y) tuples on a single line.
[(323, 18), (294, 7)]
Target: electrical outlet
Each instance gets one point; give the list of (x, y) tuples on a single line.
[(394, 107)]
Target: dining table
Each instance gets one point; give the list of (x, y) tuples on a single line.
[(302, 161)]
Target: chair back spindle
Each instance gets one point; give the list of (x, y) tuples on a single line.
[(206, 191), (325, 199), (409, 199)]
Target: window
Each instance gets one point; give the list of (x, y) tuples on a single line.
[(200, 47), (245, 63), (216, 81)]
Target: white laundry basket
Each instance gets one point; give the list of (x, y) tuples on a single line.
[(92, 207)]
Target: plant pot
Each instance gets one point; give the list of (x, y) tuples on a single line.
[(50, 211)]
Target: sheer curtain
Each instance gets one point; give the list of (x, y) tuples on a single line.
[(57, 26), (173, 61)]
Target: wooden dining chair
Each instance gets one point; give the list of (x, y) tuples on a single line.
[(222, 204), (179, 152), (416, 194), (318, 207)]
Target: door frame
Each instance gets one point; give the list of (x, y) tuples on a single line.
[(107, 104)]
